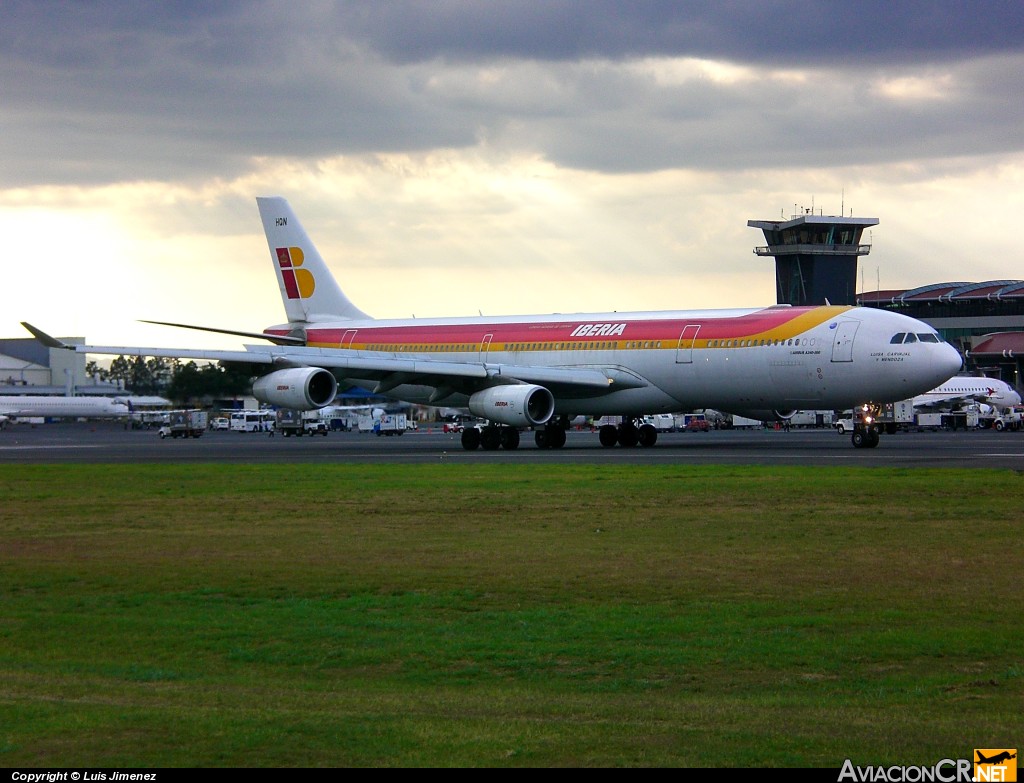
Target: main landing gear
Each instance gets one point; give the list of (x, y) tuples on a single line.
[(550, 436), (631, 432), (493, 437), (490, 438)]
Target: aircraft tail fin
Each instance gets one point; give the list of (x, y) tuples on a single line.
[(308, 289)]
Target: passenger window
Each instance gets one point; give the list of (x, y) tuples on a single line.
[(897, 338)]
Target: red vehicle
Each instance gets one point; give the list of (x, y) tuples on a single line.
[(698, 425)]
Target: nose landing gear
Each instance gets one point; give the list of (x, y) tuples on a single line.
[(865, 429)]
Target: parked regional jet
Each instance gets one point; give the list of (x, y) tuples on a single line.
[(14, 406), (963, 389), (541, 370)]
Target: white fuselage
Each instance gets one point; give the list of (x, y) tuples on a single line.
[(33, 405), (962, 389), (776, 358)]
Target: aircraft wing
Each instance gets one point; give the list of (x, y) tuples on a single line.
[(388, 370), (947, 401)]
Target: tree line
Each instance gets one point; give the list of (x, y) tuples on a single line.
[(181, 382)]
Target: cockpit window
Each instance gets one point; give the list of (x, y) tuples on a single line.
[(897, 338), (911, 338), (928, 338)]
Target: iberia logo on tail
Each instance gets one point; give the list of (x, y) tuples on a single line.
[(298, 283)]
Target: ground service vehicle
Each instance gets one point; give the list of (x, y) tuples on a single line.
[(290, 421), (391, 424), (184, 424), (999, 420), (252, 421)]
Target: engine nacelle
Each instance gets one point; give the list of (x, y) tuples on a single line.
[(302, 388), (518, 406)]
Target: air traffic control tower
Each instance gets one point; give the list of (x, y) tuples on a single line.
[(815, 257)]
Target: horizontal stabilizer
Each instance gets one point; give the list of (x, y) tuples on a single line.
[(277, 339)]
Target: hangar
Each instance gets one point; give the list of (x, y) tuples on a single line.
[(29, 367)]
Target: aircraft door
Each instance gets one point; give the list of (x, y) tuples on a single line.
[(485, 346), (684, 350), (842, 343)]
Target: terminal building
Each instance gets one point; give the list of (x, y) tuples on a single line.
[(985, 320)]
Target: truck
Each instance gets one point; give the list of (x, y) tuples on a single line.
[(817, 419), (184, 424), (390, 424), (1000, 420), (289, 421), (895, 416), (662, 422)]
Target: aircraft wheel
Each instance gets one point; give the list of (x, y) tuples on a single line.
[(540, 437), (608, 435), (628, 435), (471, 439), (556, 437), (858, 439), (872, 440), (647, 436), (509, 438), (490, 438)]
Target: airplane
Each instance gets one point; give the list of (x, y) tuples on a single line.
[(996, 759), (15, 406), (539, 371), (966, 389)]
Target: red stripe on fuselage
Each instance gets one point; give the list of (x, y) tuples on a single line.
[(667, 330)]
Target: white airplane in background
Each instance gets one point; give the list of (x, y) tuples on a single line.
[(541, 370), (965, 389), (15, 406)]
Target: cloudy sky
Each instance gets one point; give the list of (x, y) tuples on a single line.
[(502, 157)]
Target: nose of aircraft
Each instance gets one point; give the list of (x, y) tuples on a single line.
[(947, 362)]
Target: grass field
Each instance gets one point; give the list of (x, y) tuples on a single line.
[(507, 616)]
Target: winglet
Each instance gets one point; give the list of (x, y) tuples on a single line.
[(45, 339)]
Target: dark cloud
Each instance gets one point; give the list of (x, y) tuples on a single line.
[(109, 91), (751, 32)]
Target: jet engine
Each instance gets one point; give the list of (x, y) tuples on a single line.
[(515, 405), (302, 388)]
